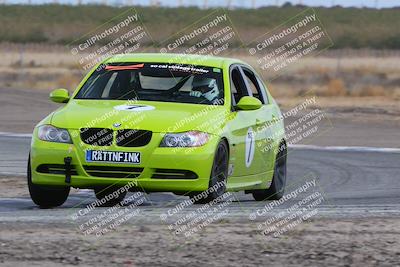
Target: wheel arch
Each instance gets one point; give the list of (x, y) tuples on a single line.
[(283, 143), (225, 139)]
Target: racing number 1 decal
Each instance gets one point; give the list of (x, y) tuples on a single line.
[(250, 147)]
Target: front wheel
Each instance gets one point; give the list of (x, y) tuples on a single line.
[(219, 174), (46, 196), (277, 188)]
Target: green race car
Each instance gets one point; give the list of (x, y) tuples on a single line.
[(188, 124)]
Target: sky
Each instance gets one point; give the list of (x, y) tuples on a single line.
[(224, 3)]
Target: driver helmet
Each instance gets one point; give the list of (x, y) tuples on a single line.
[(207, 86)]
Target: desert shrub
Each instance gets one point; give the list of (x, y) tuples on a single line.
[(373, 90), (335, 87), (396, 93)]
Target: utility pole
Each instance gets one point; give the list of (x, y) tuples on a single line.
[(229, 2), (205, 4), (253, 4)]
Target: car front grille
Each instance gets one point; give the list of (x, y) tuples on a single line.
[(55, 169), (133, 138), (124, 138), (97, 136), (113, 172), (173, 174)]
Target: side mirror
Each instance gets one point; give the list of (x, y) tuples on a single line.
[(249, 103), (59, 96)]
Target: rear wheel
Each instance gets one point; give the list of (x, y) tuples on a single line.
[(219, 173), (46, 196), (109, 196), (277, 188)]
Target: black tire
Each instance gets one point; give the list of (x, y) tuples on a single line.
[(102, 193), (219, 173), (277, 188), (46, 196)]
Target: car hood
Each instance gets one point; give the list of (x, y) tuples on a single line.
[(146, 115)]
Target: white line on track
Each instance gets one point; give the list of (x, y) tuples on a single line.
[(14, 174), (295, 146), (10, 134), (347, 148)]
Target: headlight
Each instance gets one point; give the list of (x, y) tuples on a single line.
[(187, 139), (53, 134)]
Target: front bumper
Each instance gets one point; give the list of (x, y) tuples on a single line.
[(192, 165)]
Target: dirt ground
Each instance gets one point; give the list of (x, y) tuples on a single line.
[(356, 241), (13, 186), (324, 242), (16, 186)]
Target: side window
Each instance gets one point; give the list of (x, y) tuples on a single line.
[(263, 89), (254, 85), (238, 87)]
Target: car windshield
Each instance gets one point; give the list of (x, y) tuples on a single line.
[(155, 82)]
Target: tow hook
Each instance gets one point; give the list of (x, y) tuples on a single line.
[(67, 161)]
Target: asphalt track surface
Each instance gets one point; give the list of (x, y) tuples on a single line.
[(352, 183)]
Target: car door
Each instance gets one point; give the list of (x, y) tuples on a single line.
[(242, 126), (265, 118)]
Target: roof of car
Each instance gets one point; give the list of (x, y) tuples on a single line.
[(201, 60)]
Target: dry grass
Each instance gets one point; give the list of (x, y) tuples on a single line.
[(372, 90), (53, 66), (336, 88), (68, 81), (396, 93)]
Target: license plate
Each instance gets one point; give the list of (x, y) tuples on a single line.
[(112, 156)]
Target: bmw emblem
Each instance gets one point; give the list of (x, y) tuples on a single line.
[(117, 124)]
